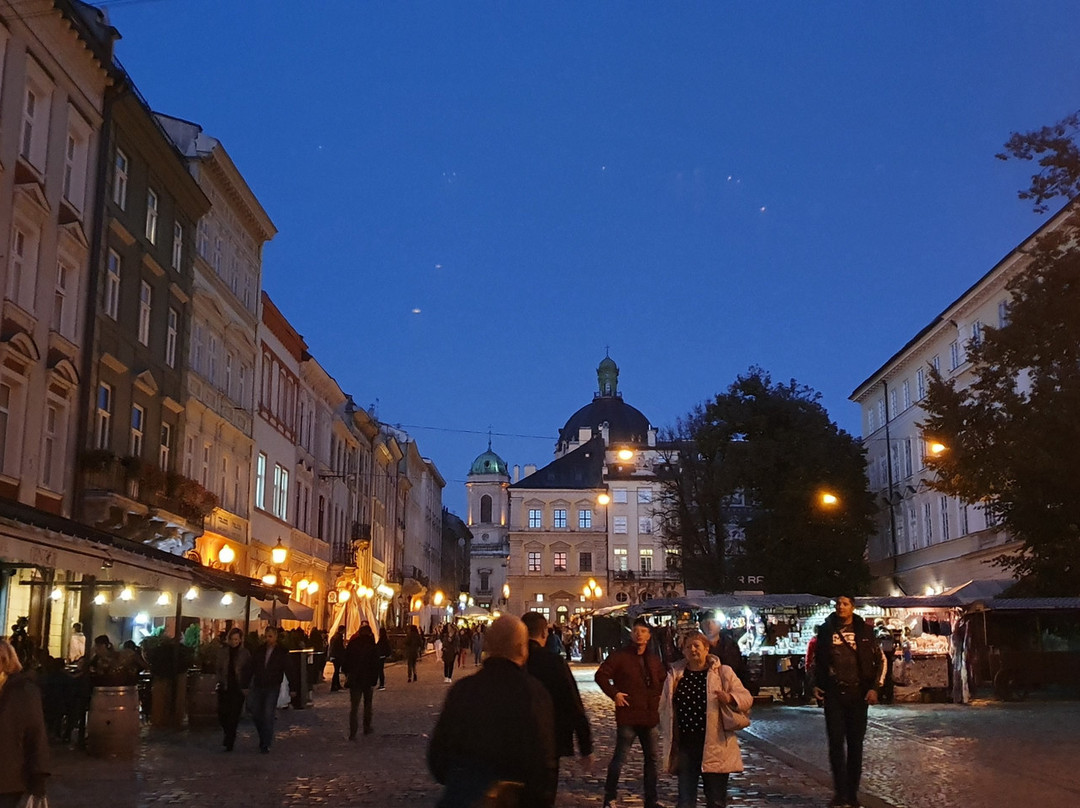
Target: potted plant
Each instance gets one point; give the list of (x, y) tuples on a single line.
[(202, 680), (169, 661)]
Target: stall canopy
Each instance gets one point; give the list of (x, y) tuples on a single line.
[(735, 601), (273, 610), (958, 597)]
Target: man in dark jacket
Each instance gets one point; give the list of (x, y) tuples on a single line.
[(553, 672), (361, 675), (496, 729), (233, 672), (337, 657), (24, 745), (267, 672), (633, 678), (849, 670)]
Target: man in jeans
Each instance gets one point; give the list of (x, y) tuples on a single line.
[(267, 672), (849, 669), (633, 678)]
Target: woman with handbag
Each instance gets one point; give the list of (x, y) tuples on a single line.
[(702, 706), (24, 744)]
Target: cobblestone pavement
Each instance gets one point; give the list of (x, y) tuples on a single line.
[(917, 756)]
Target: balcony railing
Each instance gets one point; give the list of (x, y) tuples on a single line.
[(650, 575), (342, 554), (361, 531)]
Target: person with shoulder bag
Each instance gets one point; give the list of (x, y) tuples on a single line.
[(703, 705)]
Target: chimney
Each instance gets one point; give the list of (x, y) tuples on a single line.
[(517, 472), (530, 468)]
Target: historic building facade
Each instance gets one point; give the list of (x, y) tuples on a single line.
[(487, 492), (590, 515), (925, 540)]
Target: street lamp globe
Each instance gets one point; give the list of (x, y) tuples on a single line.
[(279, 554), (604, 499)]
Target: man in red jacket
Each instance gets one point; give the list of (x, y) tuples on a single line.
[(633, 678)]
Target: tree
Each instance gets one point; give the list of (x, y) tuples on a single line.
[(742, 499), (1013, 434)]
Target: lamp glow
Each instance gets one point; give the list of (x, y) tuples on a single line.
[(343, 595), (269, 579), (163, 599), (192, 593), (126, 593), (506, 590), (303, 585), (828, 498), (226, 555), (99, 599), (438, 599), (226, 599), (279, 554), (626, 454), (313, 587), (936, 447), (604, 499), (56, 594)]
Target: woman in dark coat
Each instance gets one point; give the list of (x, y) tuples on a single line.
[(24, 744), (233, 675), (361, 672), (414, 644), (383, 646)]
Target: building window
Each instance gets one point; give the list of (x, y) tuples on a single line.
[(622, 559), (170, 339), (963, 519), (177, 245), (920, 384), (35, 123), (646, 556), (151, 216), (882, 416), (644, 525), (976, 332), (202, 238), (644, 496), (559, 562), (619, 524), (138, 423), (145, 293), (49, 445), (559, 517), (120, 180), (584, 518), (928, 523), (944, 518), (112, 285), (955, 359), (671, 562), (584, 562), (535, 519), (618, 495), (281, 492), (905, 390), (204, 477), (534, 561), (211, 359), (22, 265), (103, 425), (544, 610), (60, 298), (892, 403), (75, 169), (913, 526), (1003, 314), (990, 515), (165, 447), (260, 483), (485, 509), (907, 458)]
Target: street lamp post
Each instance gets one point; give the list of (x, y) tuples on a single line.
[(592, 591)]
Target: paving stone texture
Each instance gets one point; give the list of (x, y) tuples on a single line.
[(917, 755)]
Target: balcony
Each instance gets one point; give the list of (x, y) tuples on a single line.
[(343, 554), (651, 575), (361, 534)]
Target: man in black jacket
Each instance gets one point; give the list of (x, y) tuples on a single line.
[(496, 728), (849, 670), (553, 672), (361, 675), (337, 657), (267, 672)]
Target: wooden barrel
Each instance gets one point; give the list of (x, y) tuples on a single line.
[(112, 728), (202, 700)]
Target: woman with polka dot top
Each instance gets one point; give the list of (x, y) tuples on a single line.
[(695, 743)]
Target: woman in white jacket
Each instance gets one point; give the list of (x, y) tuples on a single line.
[(695, 743)]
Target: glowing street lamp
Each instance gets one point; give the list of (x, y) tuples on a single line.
[(226, 555), (937, 447), (829, 499), (625, 454), (438, 598), (279, 554), (604, 498)]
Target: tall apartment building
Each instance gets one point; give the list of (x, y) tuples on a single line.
[(925, 540)]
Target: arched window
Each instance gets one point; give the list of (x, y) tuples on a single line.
[(485, 509)]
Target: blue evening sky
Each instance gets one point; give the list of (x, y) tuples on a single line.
[(700, 186)]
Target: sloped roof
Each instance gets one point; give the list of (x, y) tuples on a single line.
[(582, 468)]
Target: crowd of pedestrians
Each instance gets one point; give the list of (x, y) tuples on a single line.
[(503, 729)]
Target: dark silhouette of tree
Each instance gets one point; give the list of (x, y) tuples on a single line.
[(1013, 434), (741, 501)]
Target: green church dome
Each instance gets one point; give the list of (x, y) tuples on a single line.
[(489, 463)]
